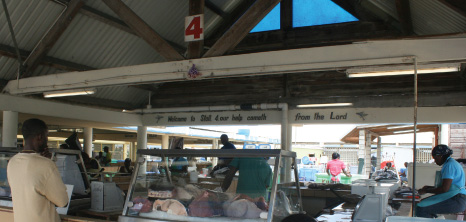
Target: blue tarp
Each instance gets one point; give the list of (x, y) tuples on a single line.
[(307, 174)]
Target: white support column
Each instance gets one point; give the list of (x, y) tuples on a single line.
[(125, 151), (165, 141), (10, 129), (367, 155), (362, 141), (132, 151), (364, 151), (142, 144), (284, 129), (445, 134), (286, 136), (88, 140), (379, 153), (214, 147)]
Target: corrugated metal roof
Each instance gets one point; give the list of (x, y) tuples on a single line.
[(93, 43), (429, 17), (99, 45), (433, 17), (30, 19), (136, 97)]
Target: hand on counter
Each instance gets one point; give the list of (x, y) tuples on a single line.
[(424, 190), (218, 189)]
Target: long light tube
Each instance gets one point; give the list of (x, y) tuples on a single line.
[(324, 105), (401, 70), (405, 131), (75, 92), (398, 127)]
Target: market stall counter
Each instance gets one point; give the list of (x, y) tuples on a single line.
[(166, 196)]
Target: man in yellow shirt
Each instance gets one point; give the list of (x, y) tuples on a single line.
[(36, 185)]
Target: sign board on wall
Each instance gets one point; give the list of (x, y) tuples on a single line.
[(194, 28), (310, 116), (256, 117), (377, 115)]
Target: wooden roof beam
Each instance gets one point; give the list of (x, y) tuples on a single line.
[(115, 22), (212, 7), (52, 36), (348, 5), (143, 30), (3, 83), (404, 15), (107, 19), (456, 5), (233, 36), (286, 15), (196, 7)]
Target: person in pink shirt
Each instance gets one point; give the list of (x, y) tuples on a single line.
[(335, 166)]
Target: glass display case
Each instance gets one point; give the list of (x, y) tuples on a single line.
[(72, 170), (263, 186)]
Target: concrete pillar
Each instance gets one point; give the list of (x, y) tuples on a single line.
[(285, 130), (286, 141), (364, 151), (379, 152), (125, 151), (445, 134), (88, 140), (367, 155), (10, 129), (362, 141), (132, 152), (165, 141), (142, 144), (214, 147)]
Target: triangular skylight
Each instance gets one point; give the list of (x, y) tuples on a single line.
[(270, 22), (319, 12), (307, 13)]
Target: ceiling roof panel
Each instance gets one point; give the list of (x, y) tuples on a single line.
[(429, 17), (30, 20)]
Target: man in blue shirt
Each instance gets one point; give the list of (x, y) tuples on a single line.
[(223, 162), (403, 173), (450, 195)]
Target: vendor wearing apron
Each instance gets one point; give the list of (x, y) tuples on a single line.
[(334, 168), (450, 195)]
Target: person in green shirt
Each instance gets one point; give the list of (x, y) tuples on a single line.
[(179, 164), (107, 157), (255, 176)]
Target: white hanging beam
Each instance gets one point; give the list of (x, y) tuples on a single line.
[(340, 57), (61, 110)]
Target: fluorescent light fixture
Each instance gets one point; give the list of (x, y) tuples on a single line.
[(324, 105), (401, 70), (398, 127), (406, 131), (73, 92)]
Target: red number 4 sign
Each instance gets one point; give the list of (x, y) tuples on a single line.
[(194, 28)]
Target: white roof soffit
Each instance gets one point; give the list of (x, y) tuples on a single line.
[(360, 54), (47, 108)]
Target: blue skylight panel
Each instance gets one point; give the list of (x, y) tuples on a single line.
[(270, 22), (307, 13), (319, 12)]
